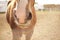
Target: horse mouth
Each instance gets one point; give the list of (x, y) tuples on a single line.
[(25, 25)]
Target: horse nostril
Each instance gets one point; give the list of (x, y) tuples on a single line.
[(29, 15)]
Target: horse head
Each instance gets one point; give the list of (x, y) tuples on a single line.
[(21, 12)]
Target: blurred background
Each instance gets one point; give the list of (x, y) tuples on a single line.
[(39, 4)]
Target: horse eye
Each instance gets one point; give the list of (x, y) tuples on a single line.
[(29, 15)]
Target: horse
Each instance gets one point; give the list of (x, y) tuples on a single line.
[(21, 17)]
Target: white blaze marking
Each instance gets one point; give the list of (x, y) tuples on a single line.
[(21, 8)]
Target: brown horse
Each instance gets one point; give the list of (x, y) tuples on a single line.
[(21, 17)]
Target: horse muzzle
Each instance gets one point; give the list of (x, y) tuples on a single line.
[(22, 25)]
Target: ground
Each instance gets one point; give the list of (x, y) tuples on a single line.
[(46, 28)]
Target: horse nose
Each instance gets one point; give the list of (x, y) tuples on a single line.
[(22, 21)]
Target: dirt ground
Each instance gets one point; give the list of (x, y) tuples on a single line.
[(46, 28)]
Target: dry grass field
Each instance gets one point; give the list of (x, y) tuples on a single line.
[(46, 28), (5, 30)]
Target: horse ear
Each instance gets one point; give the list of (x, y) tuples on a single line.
[(8, 3)]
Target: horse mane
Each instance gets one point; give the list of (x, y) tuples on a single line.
[(10, 6)]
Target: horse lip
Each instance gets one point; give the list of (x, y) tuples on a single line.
[(17, 23), (26, 25)]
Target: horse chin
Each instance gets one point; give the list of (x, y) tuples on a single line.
[(26, 25)]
